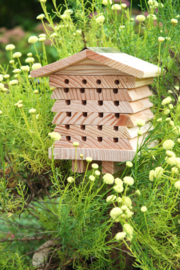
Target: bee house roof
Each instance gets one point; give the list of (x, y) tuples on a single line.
[(109, 57)]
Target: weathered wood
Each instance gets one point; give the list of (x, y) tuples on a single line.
[(99, 131), (119, 61), (101, 106), (101, 94), (65, 81), (96, 154)]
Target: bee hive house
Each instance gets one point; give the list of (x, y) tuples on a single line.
[(100, 94)]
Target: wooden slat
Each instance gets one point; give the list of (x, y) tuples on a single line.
[(111, 167), (143, 82), (80, 166), (101, 106), (65, 81), (101, 94), (104, 119), (99, 131), (96, 154)]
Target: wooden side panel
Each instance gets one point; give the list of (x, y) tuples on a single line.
[(80, 166), (65, 81), (101, 106), (143, 82), (101, 94), (99, 131), (89, 67), (96, 154), (111, 167)]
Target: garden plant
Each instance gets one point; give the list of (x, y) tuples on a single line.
[(130, 220)]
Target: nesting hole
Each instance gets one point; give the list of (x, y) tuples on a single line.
[(99, 127), (101, 114), (83, 127), (84, 81), (99, 90), (99, 139), (100, 102), (115, 140), (68, 102), (115, 91), (68, 138), (82, 91), (98, 81), (84, 114), (84, 102), (67, 126), (116, 103), (66, 81), (117, 115), (66, 90), (116, 128), (116, 82), (84, 138), (68, 114)]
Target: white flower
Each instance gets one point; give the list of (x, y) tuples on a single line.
[(41, 35), (1, 85), (25, 68), (32, 111), (111, 198), (40, 17), (54, 135), (68, 11), (6, 76), (97, 173), (33, 39), (17, 70), (139, 132), (170, 106), (166, 101), (54, 35), (75, 144), (13, 82), (123, 6), (42, 39), (138, 192), (89, 159), (29, 60), (1, 112), (116, 7), (177, 185), (1, 77), (115, 212), (174, 22), (143, 209), (170, 153), (70, 179), (118, 181), (120, 236), (168, 144), (158, 172), (118, 188), (127, 201), (140, 123), (170, 91), (140, 18), (95, 166), (129, 164), (29, 54), (20, 105), (10, 47), (92, 178), (108, 178), (36, 91), (79, 31), (161, 39), (128, 180), (106, 2), (17, 55), (11, 61), (100, 19), (36, 66), (174, 170), (119, 199), (152, 16), (168, 119), (151, 175), (129, 230)]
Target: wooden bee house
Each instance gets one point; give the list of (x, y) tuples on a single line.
[(100, 94)]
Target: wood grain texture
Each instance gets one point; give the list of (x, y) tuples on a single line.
[(80, 166), (65, 81), (143, 82), (110, 167), (96, 154), (99, 131), (101, 106), (101, 94), (119, 61), (89, 67)]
